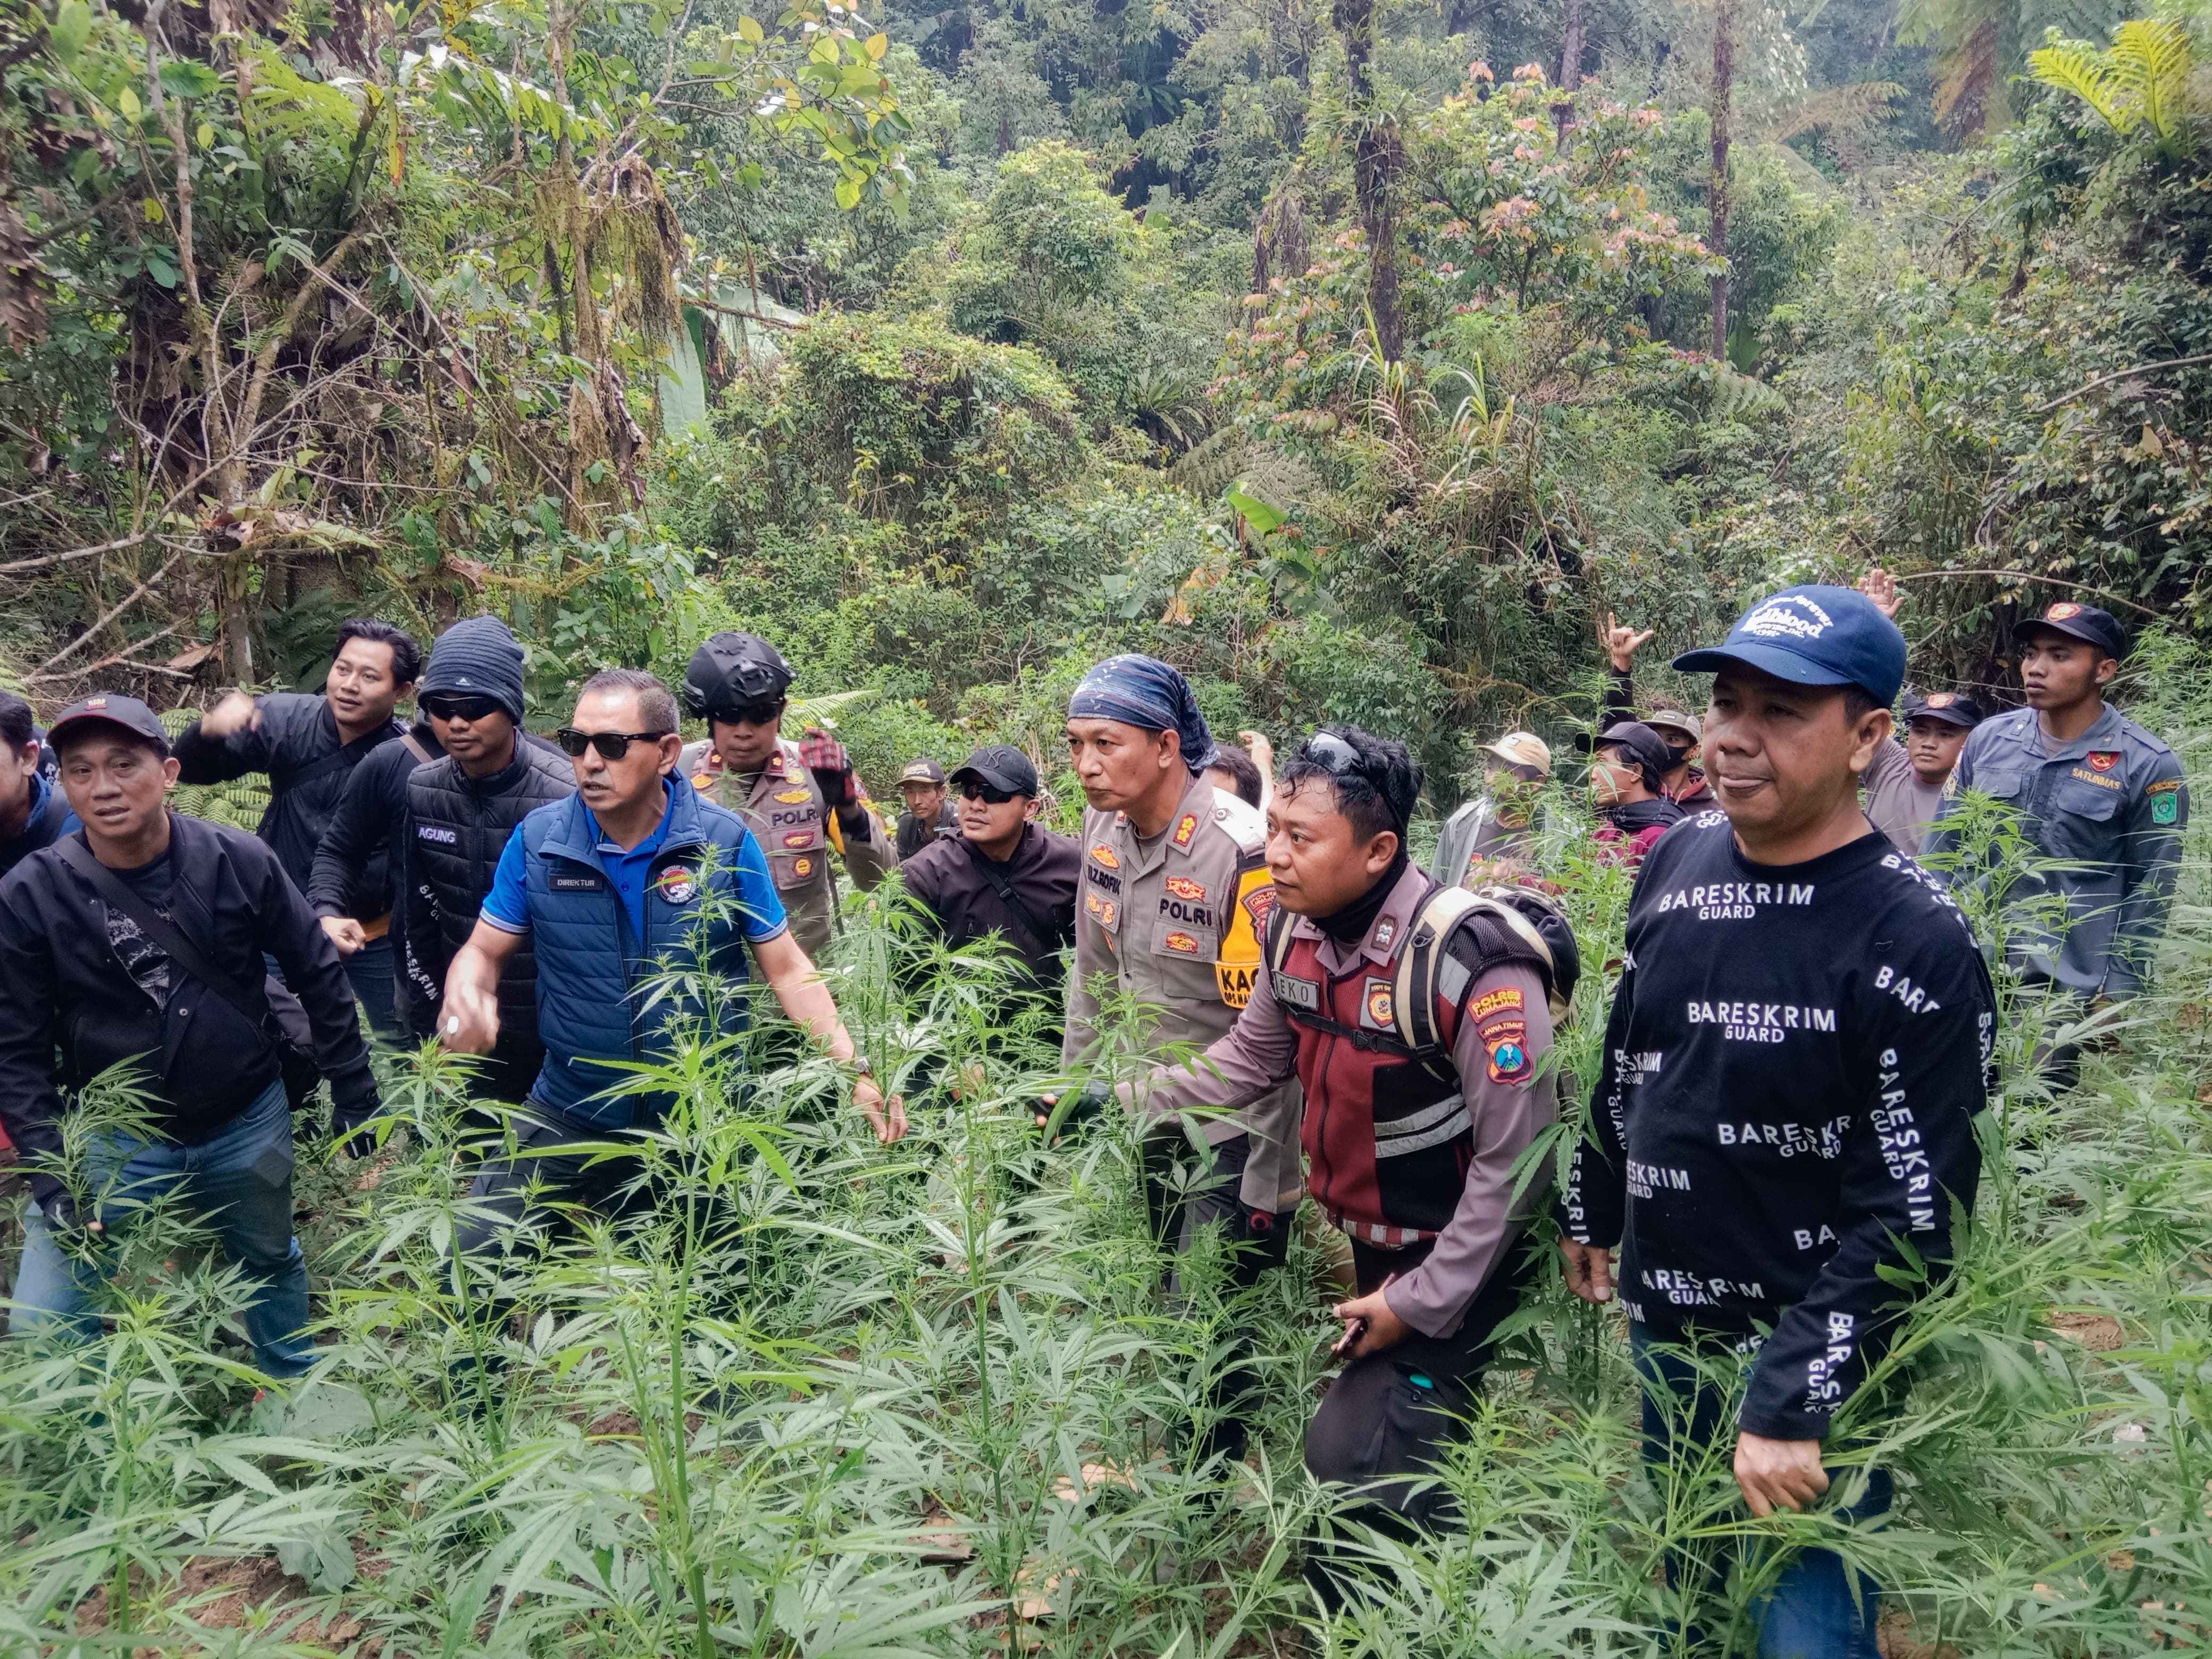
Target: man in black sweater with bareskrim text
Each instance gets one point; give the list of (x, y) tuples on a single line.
[(1799, 1042)]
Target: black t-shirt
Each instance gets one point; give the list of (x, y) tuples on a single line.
[(152, 883), (1795, 1059)]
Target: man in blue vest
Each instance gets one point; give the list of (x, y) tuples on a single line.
[(635, 870)]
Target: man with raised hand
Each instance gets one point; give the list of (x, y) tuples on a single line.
[(1784, 1122), (634, 873), (803, 801), (309, 745), (138, 944), (1410, 1135), (1682, 781), (1174, 897), (2102, 798)]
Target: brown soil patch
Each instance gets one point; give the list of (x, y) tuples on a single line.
[(2099, 1332)]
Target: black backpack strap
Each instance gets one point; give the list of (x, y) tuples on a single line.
[(173, 941), (413, 745)]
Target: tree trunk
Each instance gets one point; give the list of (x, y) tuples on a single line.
[(1571, 65), (1723, 79), (1374, 164)]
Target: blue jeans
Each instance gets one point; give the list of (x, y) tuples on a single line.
[(369, 969), (239, 1182), (1819, 1607)]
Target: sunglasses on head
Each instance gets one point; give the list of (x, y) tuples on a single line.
[(444, 706), (977, 789), (611, 745), (1334, 755)]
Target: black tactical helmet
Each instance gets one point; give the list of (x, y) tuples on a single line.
[(731, 671)]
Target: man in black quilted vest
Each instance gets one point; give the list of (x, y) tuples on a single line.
[(1409, 1145), (461, 809)]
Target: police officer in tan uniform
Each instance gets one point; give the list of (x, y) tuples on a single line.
[(1170, 910), (802, 801)]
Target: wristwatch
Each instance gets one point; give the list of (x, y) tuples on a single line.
[(862, 1067)]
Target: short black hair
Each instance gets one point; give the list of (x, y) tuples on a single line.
[(1858, 703), (1378, 796), (16, 722), (406, 654), (1236, 760), (656, 703)]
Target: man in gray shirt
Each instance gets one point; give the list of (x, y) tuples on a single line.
[(1902, 788)]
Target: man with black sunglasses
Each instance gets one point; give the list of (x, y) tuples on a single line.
[(1005, 873), (462, 808), (803, 801), (1416, 1017)]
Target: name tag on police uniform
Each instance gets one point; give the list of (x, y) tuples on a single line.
[(578, 881), (1295, 992)]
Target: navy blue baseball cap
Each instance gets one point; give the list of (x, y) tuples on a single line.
[(2082, 621), (1952, 706), (1813, 635)]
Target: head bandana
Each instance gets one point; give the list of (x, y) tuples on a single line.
[(1145, 691)]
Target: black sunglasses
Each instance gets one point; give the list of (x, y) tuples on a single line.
[(751, 714), (441, 707), (1334, 755), (977, 789), (611, 745)]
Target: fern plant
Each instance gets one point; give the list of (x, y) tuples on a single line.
[(2140, 84)]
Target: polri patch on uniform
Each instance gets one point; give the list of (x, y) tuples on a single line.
[(1186, 827), (2104, 759), (1183, 944), (1506, 1043), (792, 797), (1184, 888), (1376, 1012), (798, 838), (802, 866), (1104, 854), (1506, 998), (679, 883)]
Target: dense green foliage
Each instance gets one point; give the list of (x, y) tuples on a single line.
[(1333, 352)]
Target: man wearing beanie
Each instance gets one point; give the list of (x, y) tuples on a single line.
[(1174, 901), (461, 809), (309, 745), (1783, 1128)]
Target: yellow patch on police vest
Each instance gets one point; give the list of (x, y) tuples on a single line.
[(1238, 965)]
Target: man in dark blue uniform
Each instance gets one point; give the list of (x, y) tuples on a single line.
[(2100, 796)]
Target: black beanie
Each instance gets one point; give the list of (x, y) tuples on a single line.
[(479, 655)]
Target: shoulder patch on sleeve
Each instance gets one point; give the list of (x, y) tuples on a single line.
[(1505, 1045)]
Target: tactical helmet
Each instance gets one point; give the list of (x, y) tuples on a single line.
[(731, 671)]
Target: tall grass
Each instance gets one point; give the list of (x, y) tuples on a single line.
[(808, 1396)]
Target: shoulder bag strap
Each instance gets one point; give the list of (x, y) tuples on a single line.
[(1052, 937), (348, 756), (413, 744), (173, 940)]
